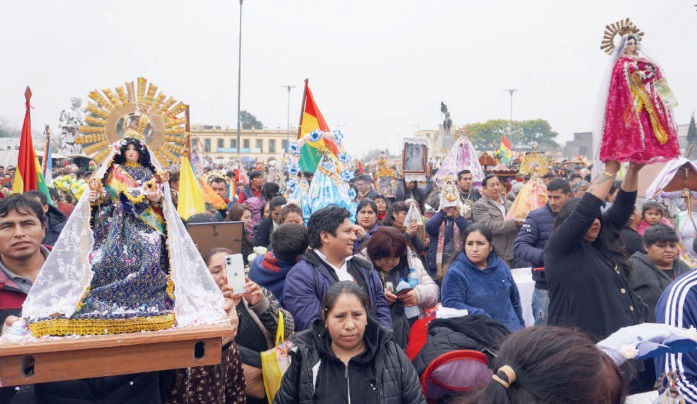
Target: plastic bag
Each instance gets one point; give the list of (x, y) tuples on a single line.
[(275, 362)]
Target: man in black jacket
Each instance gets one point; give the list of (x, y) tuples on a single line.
[(54, 218), (529, 244)]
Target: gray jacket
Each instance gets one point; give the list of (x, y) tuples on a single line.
[(649, 282), (487, 212)]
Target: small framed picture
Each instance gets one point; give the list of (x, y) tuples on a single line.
[(414, 158)]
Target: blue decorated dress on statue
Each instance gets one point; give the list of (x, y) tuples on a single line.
[(122, 263)]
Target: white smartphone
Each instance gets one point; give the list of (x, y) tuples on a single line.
[(234, 267)]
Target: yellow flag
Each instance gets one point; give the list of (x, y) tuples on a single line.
[(190, 195)]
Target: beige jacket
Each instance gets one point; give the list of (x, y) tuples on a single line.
[(487, 212)]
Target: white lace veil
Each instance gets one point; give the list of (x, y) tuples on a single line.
[(67, 272)]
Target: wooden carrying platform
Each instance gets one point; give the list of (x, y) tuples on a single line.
[(109, 355)]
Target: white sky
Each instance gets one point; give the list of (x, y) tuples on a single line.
[(378, 68)]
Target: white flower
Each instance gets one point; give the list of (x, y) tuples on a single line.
[(629, 351)]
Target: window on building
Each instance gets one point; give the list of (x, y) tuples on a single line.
[(207, 143), (260, 145), (221, 143), (284, 145), (245, 143), (233, 143), (272, 145)]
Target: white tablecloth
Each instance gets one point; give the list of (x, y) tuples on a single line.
[(526, 286)]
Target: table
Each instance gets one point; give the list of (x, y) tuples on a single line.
[(526, 286)]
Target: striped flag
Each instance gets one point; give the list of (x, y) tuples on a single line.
[(311, 153), (28, 175), (506, 150)]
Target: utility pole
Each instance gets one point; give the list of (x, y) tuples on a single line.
[(239, 86), (289, 87), (510, 125)]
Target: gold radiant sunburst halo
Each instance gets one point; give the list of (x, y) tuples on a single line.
[(112, 114), (534, 164), (621, 28)]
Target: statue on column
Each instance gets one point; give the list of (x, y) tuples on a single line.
[(69, 122)]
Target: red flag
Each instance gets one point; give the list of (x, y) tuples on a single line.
[(26, 178)]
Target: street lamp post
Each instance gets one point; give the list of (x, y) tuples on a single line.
[(288, 122), (510, 126), (239, 86)]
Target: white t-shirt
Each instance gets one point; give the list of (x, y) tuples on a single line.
[(341, 273)]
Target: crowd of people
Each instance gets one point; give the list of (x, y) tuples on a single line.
[(343, 286)]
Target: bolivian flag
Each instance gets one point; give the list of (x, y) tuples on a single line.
[(28, 175), (505, 150), (311, 152), (190, 200)]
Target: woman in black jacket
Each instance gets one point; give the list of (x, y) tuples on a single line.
[(587, 268), (348, 357)]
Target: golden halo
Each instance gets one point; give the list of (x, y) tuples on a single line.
[(110, 118), (621, 27), (534, 164)]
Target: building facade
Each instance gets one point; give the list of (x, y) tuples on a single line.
[(263, 145)]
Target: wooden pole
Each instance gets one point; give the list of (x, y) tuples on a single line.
[(302, 110), (47, 142)]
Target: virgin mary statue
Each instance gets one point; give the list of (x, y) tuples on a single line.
[(124, 261)]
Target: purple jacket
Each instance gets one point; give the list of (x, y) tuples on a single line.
[(309, 279)]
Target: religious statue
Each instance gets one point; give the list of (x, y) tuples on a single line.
[(125, 262), (638, 125), (447, 122), (69, 122)]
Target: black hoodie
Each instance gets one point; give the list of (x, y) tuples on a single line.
[(380, 374)]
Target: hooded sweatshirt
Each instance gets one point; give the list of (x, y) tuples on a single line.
[(489, 292), (270, 272)]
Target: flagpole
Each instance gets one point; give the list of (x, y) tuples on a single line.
[(187, 129), (47, 142), (302, 109)]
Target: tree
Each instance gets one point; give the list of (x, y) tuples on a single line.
[(538, 131), (250, 121), (691, 139), (487, 135)]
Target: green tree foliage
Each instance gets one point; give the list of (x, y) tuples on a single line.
[(692, 139), (537, 131), (250, 121), (487, 135)]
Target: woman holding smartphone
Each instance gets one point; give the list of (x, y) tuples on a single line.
[(257, 309)]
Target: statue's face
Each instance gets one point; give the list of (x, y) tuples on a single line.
[(131, 154), (76, 102)]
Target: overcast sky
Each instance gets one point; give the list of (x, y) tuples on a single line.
[(378, 68)]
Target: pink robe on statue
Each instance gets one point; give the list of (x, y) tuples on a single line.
[(638, 127)]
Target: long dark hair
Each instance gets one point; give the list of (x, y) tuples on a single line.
[(143, 155), (474, 227), (553, 365), (234, 215), (416, 193), (396, 207), (607, 243)]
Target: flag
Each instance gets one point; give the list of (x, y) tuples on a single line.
[(311, 152), (506, 150), (28, 173), (190, 196)]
